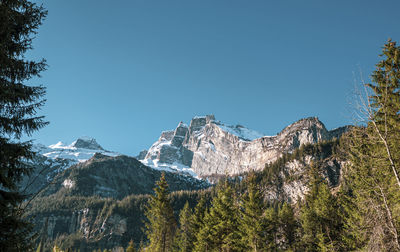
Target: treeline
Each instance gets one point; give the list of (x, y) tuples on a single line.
[(245, 222)]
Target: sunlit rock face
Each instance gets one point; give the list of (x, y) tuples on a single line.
[(208, 147)]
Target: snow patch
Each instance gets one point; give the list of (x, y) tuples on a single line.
[(174, 167), (240, 131), (68, 183)]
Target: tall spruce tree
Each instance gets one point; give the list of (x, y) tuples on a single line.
[(251, 224), (371, 183), (320, 220), (270, 223), (287, 227), (19, 21), (185, 236), (198, 215), (160, 226), (385, 105), (220, 230)]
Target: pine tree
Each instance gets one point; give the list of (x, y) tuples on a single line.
[(270, 226), (251, 226), (385, 105), (19, 20), (320, 219), (198, 215), (371, 183), (185, 235), (220, 230), (287, 227), (131, 247), (161, 224)]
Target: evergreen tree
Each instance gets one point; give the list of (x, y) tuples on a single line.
[(385, 105), (161, 224), (287, 227), (185, 235), (371, 185), (131, 247), (198, 215), (320, 219), (19, 20), (220, 230), (270, 224), (251, 226)]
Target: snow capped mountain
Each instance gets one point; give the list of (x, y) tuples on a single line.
[(53, 159), (78, 151)]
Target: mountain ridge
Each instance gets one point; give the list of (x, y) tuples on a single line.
[(207, 147)]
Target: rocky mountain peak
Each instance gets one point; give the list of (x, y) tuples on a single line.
[(304, 124), (87, 143), (198, 122)]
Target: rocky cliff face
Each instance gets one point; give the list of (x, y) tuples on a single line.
[(292, 182), (208, 147)]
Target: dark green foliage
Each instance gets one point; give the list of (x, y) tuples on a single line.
[(271, 175), (220, 231), (385, 99), (270, 224), (287, 227), (161, 224), (124, 175), (371, 188), (185, 236), (320, 219), (19, 103), (198, 214), (251, 217)]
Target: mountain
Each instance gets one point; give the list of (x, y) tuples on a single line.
[(86, 168), (54, 159), (96, 197), (115, 177), (208, 147), (80, 150)]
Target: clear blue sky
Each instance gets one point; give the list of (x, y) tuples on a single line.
[(123, 71)]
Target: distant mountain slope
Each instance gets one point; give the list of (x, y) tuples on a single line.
[(54, 159), (115, 177), (80, 150), (208, 147)]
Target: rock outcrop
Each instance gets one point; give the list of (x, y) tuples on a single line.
[(208, 147)]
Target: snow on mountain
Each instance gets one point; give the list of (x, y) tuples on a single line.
[(79, 151), (171, 151), (209, 147), (242, 132), (174, 167)]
